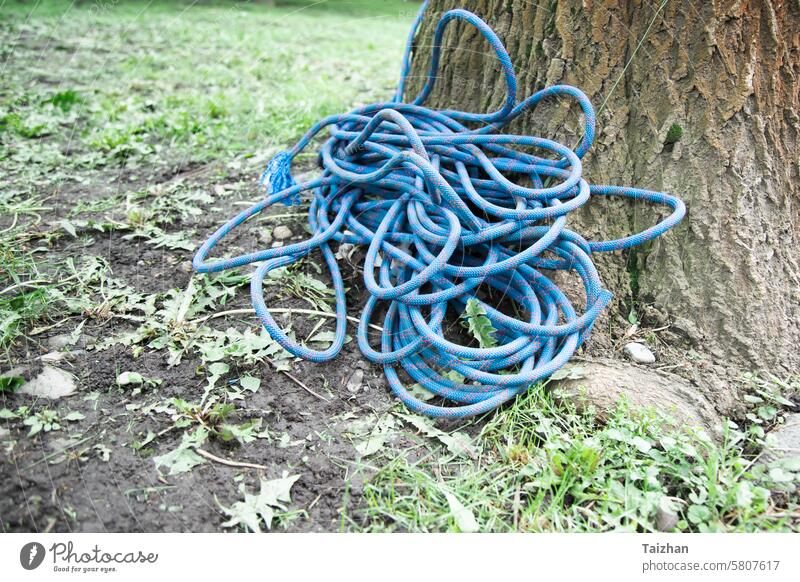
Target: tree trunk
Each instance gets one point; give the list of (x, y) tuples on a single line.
[(697, 98)]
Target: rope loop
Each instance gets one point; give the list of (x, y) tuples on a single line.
[(456, 216)]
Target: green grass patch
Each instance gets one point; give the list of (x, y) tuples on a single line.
[(135, 82), (543, 466)]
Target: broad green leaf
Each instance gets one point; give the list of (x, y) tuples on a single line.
[(478, 324), (698, 514), (377, 437), (244, 433), (184, 458), (569, 372), (9, 384), (250, 383)]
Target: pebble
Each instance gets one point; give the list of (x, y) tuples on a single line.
[(265, 237), (53, 357), (51, 383), (666, 520), (281, 232), (639, 353), (355, 381), (57, 342)]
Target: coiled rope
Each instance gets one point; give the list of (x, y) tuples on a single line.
[(431, 197)]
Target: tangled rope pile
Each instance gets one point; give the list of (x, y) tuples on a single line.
[(430, 197)]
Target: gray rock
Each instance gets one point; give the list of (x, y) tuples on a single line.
[(50, 383), (666, 520), (639, 353), (281, 232), (53, 357), (265, 237), (60, 341), (785, 441), (4, 432), (57, 343), (355, 381)]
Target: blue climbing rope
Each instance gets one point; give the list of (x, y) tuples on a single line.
[(433, 200)]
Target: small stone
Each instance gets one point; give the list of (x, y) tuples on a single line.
[(281, 232), (58, 342), (219, 190), (51, 383), (639, 353), (53, 357), (4, 432), (265, 237), (355, 381), (677, 150), (277, 244), (666, 520)]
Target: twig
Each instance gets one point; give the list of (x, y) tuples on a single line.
[(38, 330), (62, 451), (228, 463), (33, 283), (299, 383)]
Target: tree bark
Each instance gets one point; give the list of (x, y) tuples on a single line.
[(697, 98)]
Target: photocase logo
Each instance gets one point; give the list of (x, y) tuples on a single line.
[(31, 555)]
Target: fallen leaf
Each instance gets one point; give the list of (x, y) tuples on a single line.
[(457, 443), (464, 518), (256, 509)]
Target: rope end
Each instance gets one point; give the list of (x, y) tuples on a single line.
[(277, 177)]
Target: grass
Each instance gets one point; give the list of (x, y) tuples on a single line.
[(543, 466), (100, 93), (186, 81)]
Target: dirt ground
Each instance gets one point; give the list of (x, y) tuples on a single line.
[(124, 493)]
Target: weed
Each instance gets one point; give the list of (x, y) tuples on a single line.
[(674, 134)]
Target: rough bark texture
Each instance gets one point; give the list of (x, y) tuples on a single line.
[(604, 381), (698, 98)]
